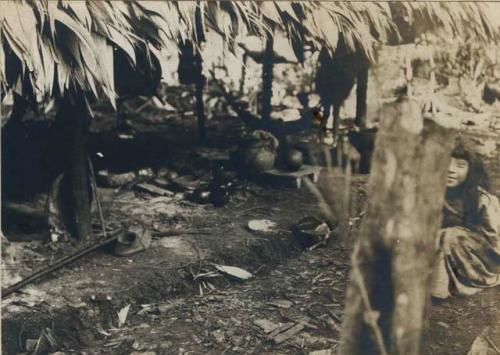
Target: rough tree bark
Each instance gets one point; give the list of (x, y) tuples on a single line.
[(73, 123), (267, 78), (388, 293)]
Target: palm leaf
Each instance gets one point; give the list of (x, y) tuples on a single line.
[(67, 43)]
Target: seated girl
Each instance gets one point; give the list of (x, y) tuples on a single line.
[(469, 241)]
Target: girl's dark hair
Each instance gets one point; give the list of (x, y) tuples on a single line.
[(476, 177)]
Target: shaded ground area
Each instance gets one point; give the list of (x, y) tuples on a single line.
[(307, 292), (304, 294), (167, 268)]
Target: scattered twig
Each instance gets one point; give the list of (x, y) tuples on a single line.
[(144, 105), (337, 318), (278, 339), (322, 202), (226, 349), (96, 194), (173, 232), (198, 254), (492, 344), (370, 319), (242, 212)]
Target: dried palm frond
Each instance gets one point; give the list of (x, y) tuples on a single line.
[(359, 24), (56, 47), (66, 45), (477, 19), (61, 46)]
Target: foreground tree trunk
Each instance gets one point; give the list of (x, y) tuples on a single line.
[(267, 78), (73, 123), (388, 294)]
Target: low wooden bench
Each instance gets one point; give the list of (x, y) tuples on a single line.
[(294, 177)]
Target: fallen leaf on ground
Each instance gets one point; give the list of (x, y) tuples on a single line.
[(287, 334), (482, 345), (321, 352), (234, 271), (261, 225), (266, 325), (309, 340), (138, 346), (122, 315), (444, 325), (31, 344), (281, 303), (102, 331), (164, 307), (154, 190), (283, 327), (219, 336)]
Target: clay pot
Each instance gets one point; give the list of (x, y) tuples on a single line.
[(294, 159), (258, 159), (255, 158)]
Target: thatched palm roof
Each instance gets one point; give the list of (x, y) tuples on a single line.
[(480, 20), (68, 45), (56, 46)]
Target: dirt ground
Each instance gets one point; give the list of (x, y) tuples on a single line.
[(307, 291), (178, 302)]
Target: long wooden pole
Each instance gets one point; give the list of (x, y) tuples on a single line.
[(267, 78), (79, 254), (73, 119), (59, 264)]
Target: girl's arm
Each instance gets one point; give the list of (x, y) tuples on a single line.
[(489, 212)]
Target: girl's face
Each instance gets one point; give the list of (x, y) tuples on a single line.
[(457, 172)]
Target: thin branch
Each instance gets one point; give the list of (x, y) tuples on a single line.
[(370, 319), (96, 194)]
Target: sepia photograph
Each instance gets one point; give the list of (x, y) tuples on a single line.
[(250, 177)]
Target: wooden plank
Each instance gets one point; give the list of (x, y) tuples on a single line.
[(302, 172), (213, 154), (154, 189), (294, 177)]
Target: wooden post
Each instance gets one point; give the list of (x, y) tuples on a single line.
[(388, 293), (73, 121), (267, 78), (200, 79), (409, 72), (243, 74), (200, 106), (361, 97), (433, 72)]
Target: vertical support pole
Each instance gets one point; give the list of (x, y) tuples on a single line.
[(361, 97), (243, 73), (267, 78), (73, 120)]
